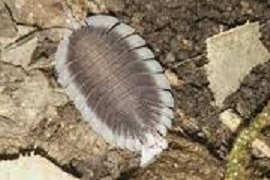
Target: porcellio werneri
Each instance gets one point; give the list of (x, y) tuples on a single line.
[(117, 84)]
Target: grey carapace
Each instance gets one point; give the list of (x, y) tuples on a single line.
[(117, 85)]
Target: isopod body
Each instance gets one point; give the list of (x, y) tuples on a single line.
[(117, 84)]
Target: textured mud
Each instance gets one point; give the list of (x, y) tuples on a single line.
[(35, 113)]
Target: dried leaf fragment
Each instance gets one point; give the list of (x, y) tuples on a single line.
[(232, 55)]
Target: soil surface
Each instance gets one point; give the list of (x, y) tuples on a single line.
[(36, 115)]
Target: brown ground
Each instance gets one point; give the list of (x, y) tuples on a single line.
[(176, 30)]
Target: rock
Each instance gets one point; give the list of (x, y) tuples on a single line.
[(7, 26), (21, 55), (28, 99), (173, 79), (38, 12), (27, 167), (5, 42), (230, 119)]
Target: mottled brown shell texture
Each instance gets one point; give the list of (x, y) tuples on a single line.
[(116, 84)]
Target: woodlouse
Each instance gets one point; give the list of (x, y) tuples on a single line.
[(117, 85)]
